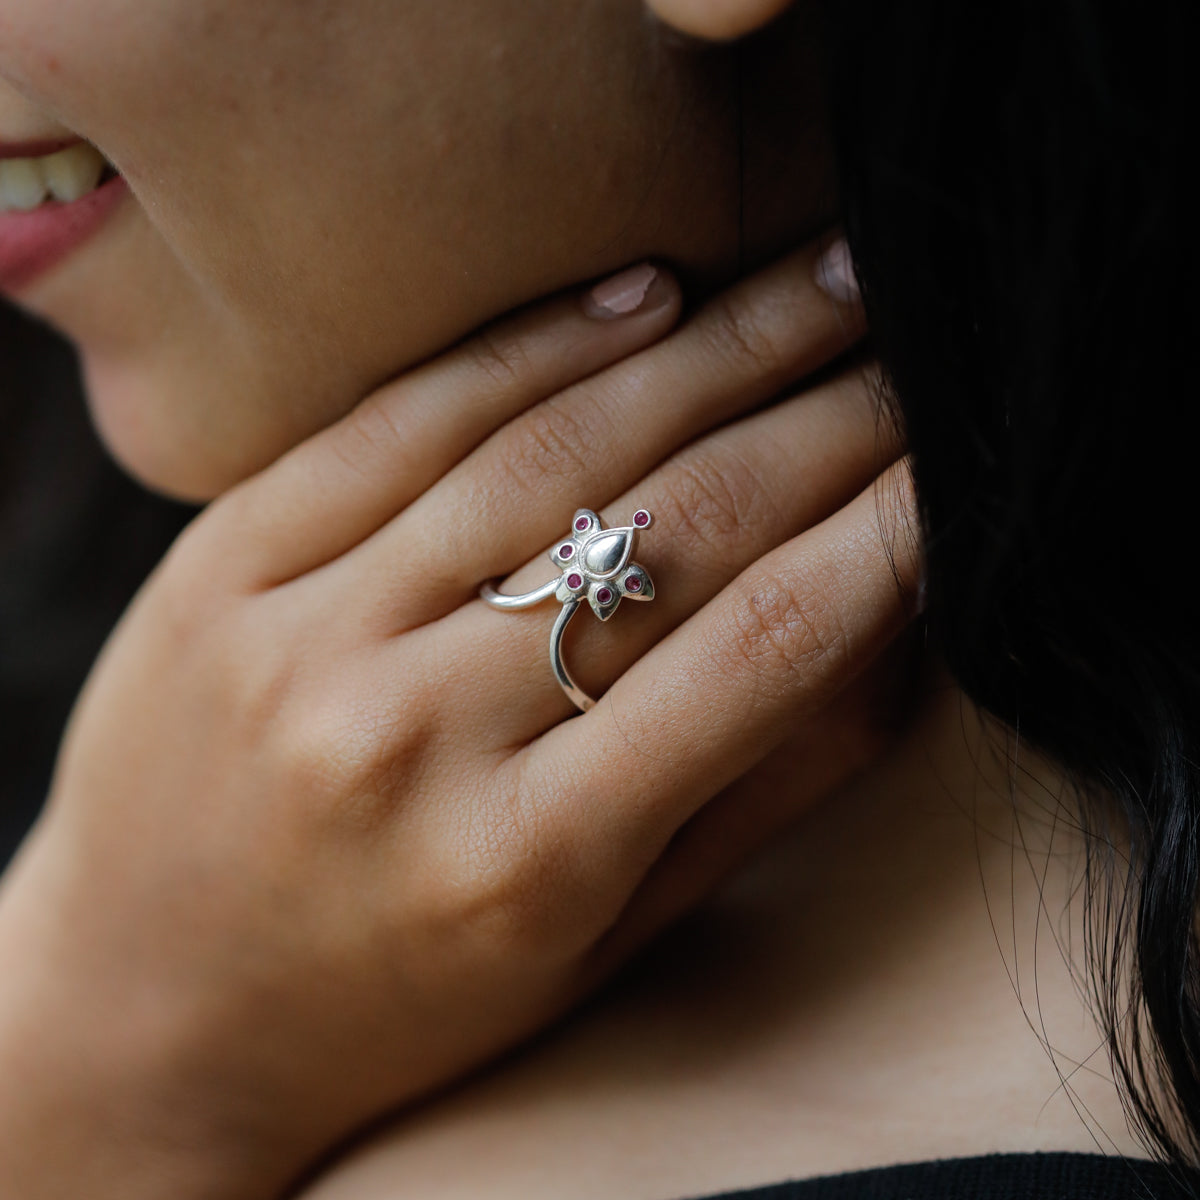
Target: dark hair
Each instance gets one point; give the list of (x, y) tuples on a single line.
[(1013, 188)]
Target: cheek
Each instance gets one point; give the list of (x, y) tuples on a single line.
[(261, 139), (87, 62), (332, 189), (180, 96), (120, 74)]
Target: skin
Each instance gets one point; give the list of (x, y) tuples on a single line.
[(216, 350), (718, 19), (268, 796), (861, 994), (265, 285), (251, 300)]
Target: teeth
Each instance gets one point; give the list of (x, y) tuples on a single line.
[(66, 176), (72, 173), (21, 184)]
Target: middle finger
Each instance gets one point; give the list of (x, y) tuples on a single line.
[(505, 502)]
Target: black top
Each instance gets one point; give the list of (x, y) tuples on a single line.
[(992, 1177)]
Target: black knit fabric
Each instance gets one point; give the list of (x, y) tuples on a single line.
[(992, 1177)]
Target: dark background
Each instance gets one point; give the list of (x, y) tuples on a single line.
[(76, 540)]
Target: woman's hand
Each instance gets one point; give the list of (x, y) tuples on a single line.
[(321, 837)]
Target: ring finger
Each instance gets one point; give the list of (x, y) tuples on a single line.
[(718, 505)]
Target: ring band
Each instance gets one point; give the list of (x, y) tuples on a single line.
[(596, 565)]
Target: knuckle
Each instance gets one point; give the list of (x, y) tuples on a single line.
[(368, 436), (193, 622), (176, 595), (548, 442), (306, 757), (345, 767), (502, 357), (261, 691), (190, 583), (714, 502), (787, 630), (514, 878), (747, 333), (385, 765)]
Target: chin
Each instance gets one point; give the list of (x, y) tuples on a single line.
[(154, 443)]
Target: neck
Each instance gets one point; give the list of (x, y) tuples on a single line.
[(770, 180), (921, 933)]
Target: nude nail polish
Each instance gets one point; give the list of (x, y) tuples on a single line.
[(622, 294), (835, 274)]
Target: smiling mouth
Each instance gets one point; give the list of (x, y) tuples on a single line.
[(63, 176), (54, 197)]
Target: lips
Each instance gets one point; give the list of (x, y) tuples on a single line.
[(36, 149), (54, 196)]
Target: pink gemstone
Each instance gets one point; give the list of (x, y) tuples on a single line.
[(604, 595), (582, 524), (566, 550), (641, 518), (633, 584), (574, 580)]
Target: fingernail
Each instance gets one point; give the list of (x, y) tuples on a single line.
[(622, 295), (835, 274)]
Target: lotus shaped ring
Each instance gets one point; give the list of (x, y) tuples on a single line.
[(597, 565)]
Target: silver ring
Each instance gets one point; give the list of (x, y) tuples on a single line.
[(596, 564)]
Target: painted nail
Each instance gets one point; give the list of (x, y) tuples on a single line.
[(835, 274), (622, 295)]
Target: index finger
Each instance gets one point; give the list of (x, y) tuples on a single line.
[(336, 489)]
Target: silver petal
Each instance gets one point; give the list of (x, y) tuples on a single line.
[(604, 609), (639, 574), (558, 559), (565, 591), (605, 554)]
